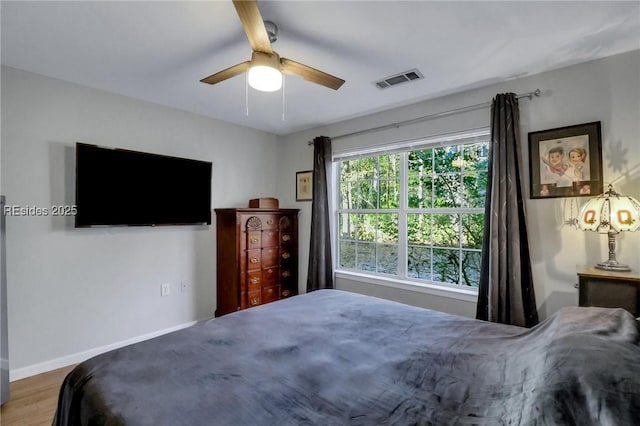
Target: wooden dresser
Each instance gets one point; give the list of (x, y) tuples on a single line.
[(257, 257)]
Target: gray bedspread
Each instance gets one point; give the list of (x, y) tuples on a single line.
[(337, 358)]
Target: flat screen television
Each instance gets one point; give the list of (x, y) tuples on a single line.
[(119, 187)]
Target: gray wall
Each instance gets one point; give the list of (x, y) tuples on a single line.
[(606, 90), (70, 290)]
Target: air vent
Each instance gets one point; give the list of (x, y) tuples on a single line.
[(394, 80)]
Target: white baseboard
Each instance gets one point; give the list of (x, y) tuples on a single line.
[(43, 367)]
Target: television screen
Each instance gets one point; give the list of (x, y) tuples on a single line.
[(128, 188)]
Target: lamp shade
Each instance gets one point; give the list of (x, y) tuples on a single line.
[(610, 212)]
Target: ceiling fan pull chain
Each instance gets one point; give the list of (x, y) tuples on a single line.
[(283, 80), (246, 94)]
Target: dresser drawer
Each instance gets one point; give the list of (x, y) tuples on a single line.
[(269, 257), (285, 254), (270, 276), (270, 238), (270, 294), (254, 298), (254, 239), (285, 274), (252, 260), (254, 281)]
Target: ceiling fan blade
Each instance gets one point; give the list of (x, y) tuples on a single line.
[(288, 66), (228, 73), (253, 25)]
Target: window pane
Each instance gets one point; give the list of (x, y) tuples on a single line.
[(365, 226), (447, 191), (470, 268), (347, 226), (419, 229), (367, 195), (387, 228), (364, 167), (389, 166), (387, 247), (366, 256), (446, 230), (348, 195), (474, 189), (446, 159), (347, 254), (419, 192), (420, 162), (389, 194), (446, 266), (472, 230), (419, 262), (387, 256), (346, 168), (476, 156)]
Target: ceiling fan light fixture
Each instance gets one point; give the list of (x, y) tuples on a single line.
[(264, 74), (265, 78)]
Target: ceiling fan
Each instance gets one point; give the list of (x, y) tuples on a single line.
[(266, 66)]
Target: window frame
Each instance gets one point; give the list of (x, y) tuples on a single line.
[(402, 280)]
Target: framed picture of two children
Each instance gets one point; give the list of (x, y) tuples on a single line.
[(566, 162)]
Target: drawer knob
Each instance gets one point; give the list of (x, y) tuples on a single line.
[(270, 291), (286, 237), (254, 240), (285, 293), (286, 255), (255, 280), (254, 301), (254, 260), (269, 221), (286, 274)]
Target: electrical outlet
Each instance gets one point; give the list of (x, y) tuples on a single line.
[(165, 289)]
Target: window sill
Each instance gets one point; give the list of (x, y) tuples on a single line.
[(467, 295)]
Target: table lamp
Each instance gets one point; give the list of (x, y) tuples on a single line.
[(610, 213)]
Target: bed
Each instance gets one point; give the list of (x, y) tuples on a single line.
[(337, 358)]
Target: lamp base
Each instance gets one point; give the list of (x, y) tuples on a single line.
[(613, 265)]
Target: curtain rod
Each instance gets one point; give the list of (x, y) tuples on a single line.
[(529, 95)]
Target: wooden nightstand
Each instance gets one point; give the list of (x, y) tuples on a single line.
[(609, 289)]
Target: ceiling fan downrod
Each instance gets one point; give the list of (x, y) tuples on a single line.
[(272, 31)]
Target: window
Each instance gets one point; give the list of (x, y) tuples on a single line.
[(415, 212)]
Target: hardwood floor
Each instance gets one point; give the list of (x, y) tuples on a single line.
[(33, 400)]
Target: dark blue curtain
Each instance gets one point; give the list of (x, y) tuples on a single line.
[(506, 293), (320, 272)]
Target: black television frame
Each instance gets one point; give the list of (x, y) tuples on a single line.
[(204, 169)]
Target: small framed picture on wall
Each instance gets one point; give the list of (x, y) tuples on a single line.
[(304, 185), (566, 161)]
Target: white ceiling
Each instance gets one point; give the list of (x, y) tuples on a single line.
[(158, 51)]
